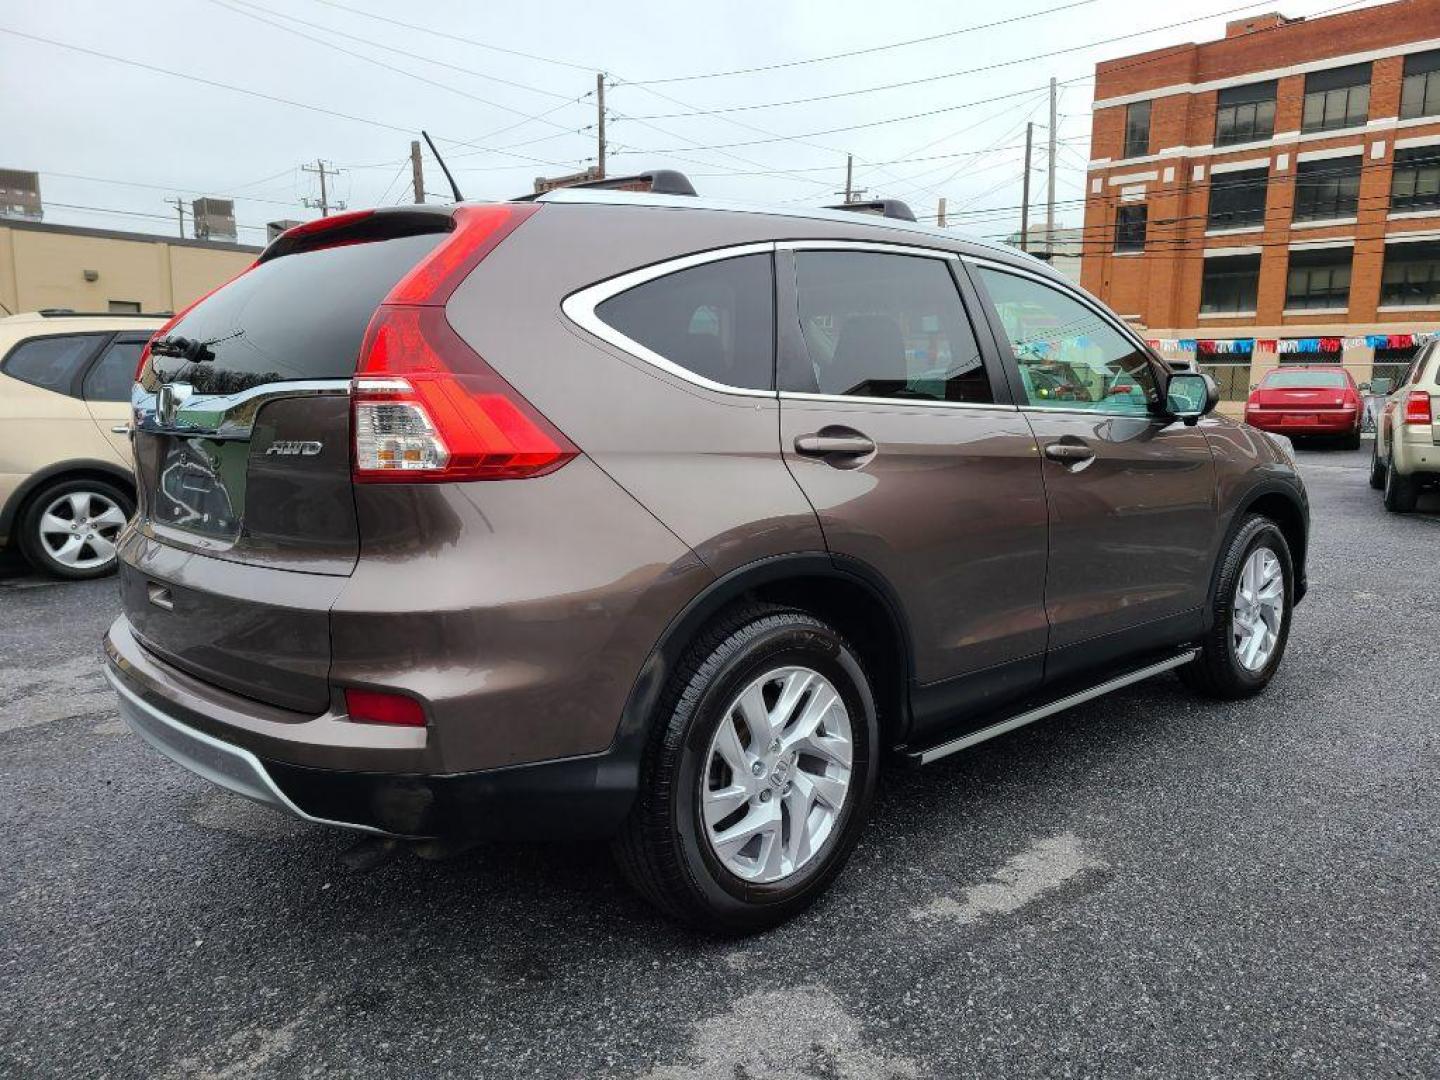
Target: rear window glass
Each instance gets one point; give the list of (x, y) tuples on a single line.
[(1284, 379), (114, 373), (51, 362), (716, 320), (299, 316)]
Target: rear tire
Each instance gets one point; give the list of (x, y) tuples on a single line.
[(679, 848), (70, 529), (1351, 441), (1401, 492), (1251, 608), (1377, 467)]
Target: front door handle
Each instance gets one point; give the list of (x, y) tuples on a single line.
[(834, 444), (1069, 453)]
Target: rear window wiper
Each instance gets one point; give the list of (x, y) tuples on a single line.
[(188, 349)]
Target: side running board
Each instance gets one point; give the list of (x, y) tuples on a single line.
[(935, 753)]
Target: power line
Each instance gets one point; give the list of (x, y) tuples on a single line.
[(865, 51), (130, 213), (321, 109), (460, 38), (212, 193), (1027, 59)]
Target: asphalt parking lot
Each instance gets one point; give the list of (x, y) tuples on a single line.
[(1149, 885)]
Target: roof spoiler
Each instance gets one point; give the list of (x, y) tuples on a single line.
[(655, 182), (891, 208)]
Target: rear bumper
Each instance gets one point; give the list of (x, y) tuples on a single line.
[(1284, 422), (206, 732)]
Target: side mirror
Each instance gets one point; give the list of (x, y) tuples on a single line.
[(1190, 395)]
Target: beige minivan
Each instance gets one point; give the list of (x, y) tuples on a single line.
[(66, 485)]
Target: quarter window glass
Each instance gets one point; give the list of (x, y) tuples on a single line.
[(889, 326), (111, 377), (51, 362), (716, 320), (1069, 356)]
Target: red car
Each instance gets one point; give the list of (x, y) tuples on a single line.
[(1298, 401)]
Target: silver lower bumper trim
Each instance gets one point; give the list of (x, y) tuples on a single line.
[(230, 767)]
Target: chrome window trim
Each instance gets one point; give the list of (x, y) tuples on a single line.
[(579, 307), (879, 247), (225, 416), (1080, 297), (923, 403)]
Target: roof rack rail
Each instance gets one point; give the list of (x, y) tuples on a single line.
[(891, 208), (71, 313), (655, 182)]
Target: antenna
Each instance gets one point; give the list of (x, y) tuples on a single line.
[(443, 167)]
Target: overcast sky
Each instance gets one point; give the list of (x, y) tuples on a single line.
[(117, 139)]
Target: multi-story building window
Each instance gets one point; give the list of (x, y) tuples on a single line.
[(1420, 93), (1411, 276), (1336, 98), (1319, 279), (1137, 129), (1245, 113), (1329, 188), (1130, 227), (1237, 199), (1415, 183), (1230, 285)]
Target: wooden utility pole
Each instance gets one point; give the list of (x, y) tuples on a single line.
[(940, 213), (1050, 174), (417, 171), (324, 203), (849, 176), (179, 204), (1025, 190), (600, 122)]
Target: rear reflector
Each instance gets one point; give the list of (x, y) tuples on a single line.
[(377, 707), (1417, 407)]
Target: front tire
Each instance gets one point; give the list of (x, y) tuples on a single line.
[(70, 529), (759, 773), (1251, 607)]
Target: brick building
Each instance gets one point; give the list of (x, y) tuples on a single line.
[(1274, 196)]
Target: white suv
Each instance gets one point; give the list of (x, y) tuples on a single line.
[(1407, 438), (66, 485)]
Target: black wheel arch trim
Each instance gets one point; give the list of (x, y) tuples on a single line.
[(58, 471), (1292, 493)]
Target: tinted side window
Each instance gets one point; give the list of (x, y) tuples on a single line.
[(1068, 355), (879, 325), (111, 377), (51, 362), (716, 320)]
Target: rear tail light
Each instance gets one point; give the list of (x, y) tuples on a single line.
[(1417, 407), (378, 707), (426, 407)]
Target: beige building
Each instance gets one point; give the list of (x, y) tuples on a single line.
[(67, 266)]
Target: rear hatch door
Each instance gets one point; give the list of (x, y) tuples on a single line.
[(241, 417)]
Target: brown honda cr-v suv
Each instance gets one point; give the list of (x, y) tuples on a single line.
[(633, 516)]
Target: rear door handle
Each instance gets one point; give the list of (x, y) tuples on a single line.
[(850, 444), (1069, 453)]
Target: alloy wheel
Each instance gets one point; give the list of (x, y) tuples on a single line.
[(79, 529), (1258, 611), (777, 774)]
